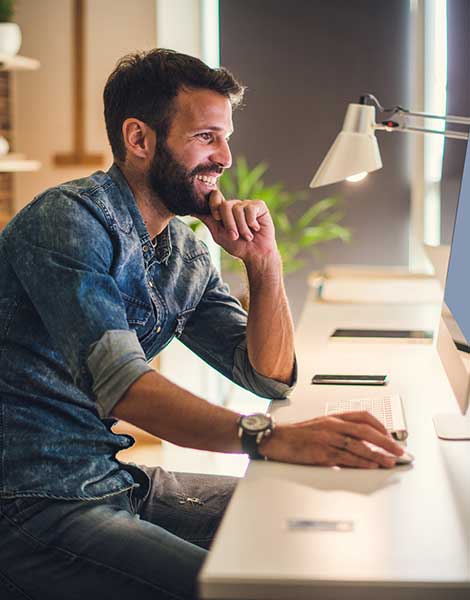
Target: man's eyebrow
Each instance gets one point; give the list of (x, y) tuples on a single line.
[(213, 128)]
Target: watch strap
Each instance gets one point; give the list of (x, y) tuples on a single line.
[(250, 446)]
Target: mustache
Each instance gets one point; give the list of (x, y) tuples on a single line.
[(210, 168)]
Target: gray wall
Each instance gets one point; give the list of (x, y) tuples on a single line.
[(303, 61)]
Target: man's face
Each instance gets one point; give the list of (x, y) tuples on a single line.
[(186, 166)]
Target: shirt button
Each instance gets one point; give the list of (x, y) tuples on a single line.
[(145, 248), (151, 284), (158, 329)]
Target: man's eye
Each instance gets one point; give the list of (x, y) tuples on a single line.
[(207, 137)]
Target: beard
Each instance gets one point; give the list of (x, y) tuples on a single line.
[(173, 184)]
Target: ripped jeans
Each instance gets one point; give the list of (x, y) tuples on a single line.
[(143, 544)]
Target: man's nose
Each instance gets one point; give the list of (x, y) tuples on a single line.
[(222, 155)]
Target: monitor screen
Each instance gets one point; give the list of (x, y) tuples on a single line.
[(457, 289), (453, 342)]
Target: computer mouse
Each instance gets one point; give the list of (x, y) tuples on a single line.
[(405, 459)]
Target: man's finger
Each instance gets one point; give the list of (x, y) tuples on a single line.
[(228, 219), (363, 416), (239, 215), (357, 417), (210, 222), (363, 431), (216, 198), (359, 449), (251, 214), (364, 451)]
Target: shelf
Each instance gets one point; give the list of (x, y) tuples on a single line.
[(18, 63), (17, 162)]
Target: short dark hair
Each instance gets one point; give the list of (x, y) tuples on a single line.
[(144, 85)]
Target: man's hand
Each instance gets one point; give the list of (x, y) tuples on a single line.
[(243, 228), (343, 440)]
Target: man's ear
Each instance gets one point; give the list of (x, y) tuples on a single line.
[(139, 139)]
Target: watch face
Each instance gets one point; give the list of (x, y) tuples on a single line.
[(257, 422)]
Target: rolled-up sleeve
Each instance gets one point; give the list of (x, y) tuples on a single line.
[(248, 377), (216, 331), (63, 260), (115, 362)]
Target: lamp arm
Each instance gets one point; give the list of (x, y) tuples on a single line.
[(456, 135), (447, 118), (400, 111)]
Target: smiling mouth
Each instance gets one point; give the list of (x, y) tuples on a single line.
[(207, 180)]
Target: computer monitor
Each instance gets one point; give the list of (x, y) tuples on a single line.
[(453, 340)]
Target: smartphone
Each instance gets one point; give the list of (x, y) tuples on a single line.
[(412, 335), (350, 379)]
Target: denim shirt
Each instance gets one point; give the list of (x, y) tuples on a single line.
[(86, 301)]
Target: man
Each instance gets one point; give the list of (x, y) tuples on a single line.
[(96, 277)]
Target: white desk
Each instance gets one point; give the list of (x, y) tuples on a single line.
[(411, 531)]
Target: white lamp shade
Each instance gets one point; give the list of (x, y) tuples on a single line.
[(355, 149)]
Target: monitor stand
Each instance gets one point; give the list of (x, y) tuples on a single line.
[(452, 427)]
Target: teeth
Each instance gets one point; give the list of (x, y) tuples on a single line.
[(205, 179)]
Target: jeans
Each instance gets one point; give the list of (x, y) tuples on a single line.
[(142, 544)]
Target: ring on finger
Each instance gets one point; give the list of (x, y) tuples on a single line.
[(347, 441)]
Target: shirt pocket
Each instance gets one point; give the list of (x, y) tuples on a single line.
[(140, 316)]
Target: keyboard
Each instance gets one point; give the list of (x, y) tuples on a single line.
[(388, 409)]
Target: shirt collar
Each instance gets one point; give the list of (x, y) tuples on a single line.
[(161, 246)]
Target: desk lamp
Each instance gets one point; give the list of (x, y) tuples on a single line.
[(355, 151)]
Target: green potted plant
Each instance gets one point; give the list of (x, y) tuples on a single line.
[(317, 224), (10, 33)]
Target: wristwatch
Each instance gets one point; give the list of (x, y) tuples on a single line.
[(252, 429)]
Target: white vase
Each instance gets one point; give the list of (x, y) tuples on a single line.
[(10, 39), (4, 146)]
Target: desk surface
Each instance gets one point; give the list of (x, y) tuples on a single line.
[(411, 525)]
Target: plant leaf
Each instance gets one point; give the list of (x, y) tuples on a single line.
[(316, 210), (316, 225), (247, 181)]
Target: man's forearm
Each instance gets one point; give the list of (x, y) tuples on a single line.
[(170, 412), (270, 331), (160, 407)]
